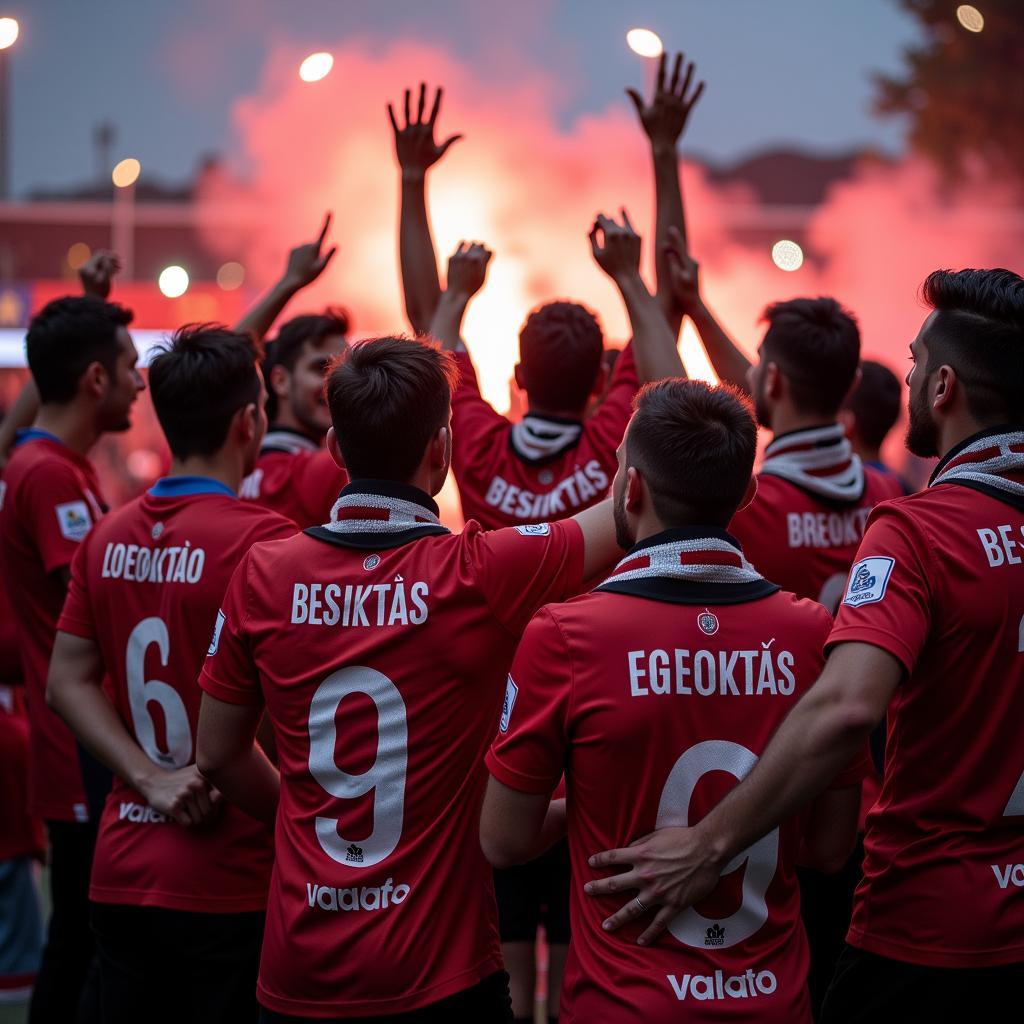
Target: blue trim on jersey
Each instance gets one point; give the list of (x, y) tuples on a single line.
[(185, 486), (35, 434)]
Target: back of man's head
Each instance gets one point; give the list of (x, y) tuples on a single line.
[(199, 382), (978, 329), (694, 446), (560, 348), (388, 398), (66, 337), (292, 338), (875, 403), (816, 345)]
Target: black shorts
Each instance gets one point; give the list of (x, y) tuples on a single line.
[(487, 1002), (159, 965), (872, 989), (535, 893)]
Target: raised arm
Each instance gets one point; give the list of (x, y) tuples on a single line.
[(417, 152), (305, 264), (654, 345), (664, 121), (467, 271), (728, 361)]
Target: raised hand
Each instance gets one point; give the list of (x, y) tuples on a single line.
[(684, 273), (619, 256), (307, 262), (467, 269), (97, 273), (414, 143), (664, 118)]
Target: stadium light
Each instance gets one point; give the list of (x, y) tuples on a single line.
[(126, 172), (970, 17), (173, 281), (9, 30), (787, 255), (315, 67), (645, 42)]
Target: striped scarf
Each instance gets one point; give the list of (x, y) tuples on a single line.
[(701, 560), (820, 461), (379, 514), (995, 461)]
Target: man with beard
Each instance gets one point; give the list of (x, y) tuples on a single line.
[(687, 653), (931, 629), (813, 492)]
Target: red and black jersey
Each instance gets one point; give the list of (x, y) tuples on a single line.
[(669, 679), (541, 468), (939, 584), (379, 645)]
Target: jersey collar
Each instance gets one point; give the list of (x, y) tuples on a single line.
[(287, 440), (35, 434), (539, 439), (991, 461), (186, 486)]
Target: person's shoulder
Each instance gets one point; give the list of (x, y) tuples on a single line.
[(882, 484), (799, 611), (37, 459), (252, 519)]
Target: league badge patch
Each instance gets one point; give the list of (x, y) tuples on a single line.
[(74, 520), (707, 622), (868, 580)]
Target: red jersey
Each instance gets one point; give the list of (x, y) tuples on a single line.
[(387, 630), (295, 477), (939, 584), (670, 678), (51, 500), (21, 834), (540, 468), (813, 500), (146, 587)]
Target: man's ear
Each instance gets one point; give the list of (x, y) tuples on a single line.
[(440, 446), (518, 374), (772, 380), (95, 380), (332, 447), (245, 422), (636, 491), (946, 387), (849, 424), (280, 380)]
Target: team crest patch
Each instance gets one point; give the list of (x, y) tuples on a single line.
[(215, 642), (868, 580), (74, 520), (157, 532), (546, 477), (707, 622), (535, 530), (371, 562), (511, 692)]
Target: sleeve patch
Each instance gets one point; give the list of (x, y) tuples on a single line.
[(535, 530), (215, 642), (868, 580), (74, 520), (511, 692)]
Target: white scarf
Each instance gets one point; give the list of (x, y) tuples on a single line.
[(378, 513), (535, 438), (701, 560), (820, 460), (996, 461)]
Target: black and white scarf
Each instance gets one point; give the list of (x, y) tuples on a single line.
[(291, 442), (820, 461), (537, 438), (992, 462)]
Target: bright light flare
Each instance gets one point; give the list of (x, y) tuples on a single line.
[(970, 17), (126, 172), (78, 255), (9, 30), (231, 276), (173, 281), (315, 67), (645, 42), (787, 255)]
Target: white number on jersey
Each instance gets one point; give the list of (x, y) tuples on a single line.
[(689, 927), (385, 777), (142, 690)]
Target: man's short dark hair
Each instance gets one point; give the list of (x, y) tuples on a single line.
[(388, 397), (198, 382), (979, 331), (560, 348), (294, 335), (65, 337), (816, 344), (694, 445), (875, 402)]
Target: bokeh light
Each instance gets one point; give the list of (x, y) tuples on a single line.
[(231, 275), (78, 255), (970, 17), (645, 42), (315, 67), (173, 281), (787, 255), (126, 172), (8, 32)]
